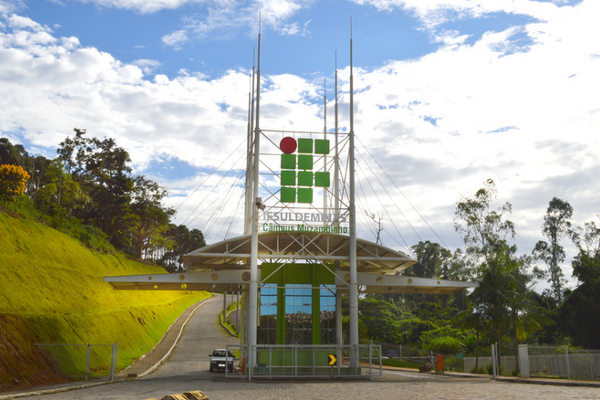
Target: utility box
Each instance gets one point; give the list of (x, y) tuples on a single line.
[(439, 364)]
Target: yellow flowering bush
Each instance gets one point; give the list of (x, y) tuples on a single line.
[(12, 181)]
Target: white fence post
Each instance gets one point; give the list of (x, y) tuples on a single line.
[(87, 363), (568, 362), (370, 359), (523, 361), (494, 360), (116, 359), (112, 363)]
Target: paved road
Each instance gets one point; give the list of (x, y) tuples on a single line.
[(187, 369)]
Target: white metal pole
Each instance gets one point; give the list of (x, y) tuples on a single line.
[(253, 284), (325, 211), (353, 289), (339, 337), (249, 160)]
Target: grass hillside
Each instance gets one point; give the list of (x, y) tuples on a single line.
[(51, 291)]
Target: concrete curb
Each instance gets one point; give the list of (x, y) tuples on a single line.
[(57, 390), (549, 382), (531, 381), (224, 326)]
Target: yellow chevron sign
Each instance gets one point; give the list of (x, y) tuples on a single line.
[(332, 359)]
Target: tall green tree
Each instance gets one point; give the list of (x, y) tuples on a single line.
[(579, 314), (184, 240), (430, 259), (503, 292), (12, 154), (101, 169), (557, 224), (484, 230), (151, 217)]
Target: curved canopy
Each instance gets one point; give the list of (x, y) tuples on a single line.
[(295, 246)]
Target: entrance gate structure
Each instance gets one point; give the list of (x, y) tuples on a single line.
[(299, 255)]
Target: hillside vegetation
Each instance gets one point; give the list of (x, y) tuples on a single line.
[(51, 291)]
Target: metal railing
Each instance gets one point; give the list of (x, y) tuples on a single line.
[(304, 361), (82, 361)]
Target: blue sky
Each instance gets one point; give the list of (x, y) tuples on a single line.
[(448, 94)]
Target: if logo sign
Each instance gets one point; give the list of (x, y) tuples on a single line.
[(297, 164)]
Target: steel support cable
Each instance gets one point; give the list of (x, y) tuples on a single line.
[(403, 195), (212, 189), (389, 216), (370, 224), (208, 205), (211, 174), (391, 199), (225, 198), (233, 218), (216, 214)]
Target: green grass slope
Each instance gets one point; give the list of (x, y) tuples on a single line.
[(51, 291)]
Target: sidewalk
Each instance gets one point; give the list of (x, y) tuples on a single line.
[(509, 379)]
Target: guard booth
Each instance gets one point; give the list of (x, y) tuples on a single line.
[(298, 256)]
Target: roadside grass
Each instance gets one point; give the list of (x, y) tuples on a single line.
[(225, 322), (52, 291)]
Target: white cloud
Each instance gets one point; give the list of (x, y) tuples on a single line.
[(143, 6), (175, 39), (227, 17), (146, 65), (436, 12), (527, 119)]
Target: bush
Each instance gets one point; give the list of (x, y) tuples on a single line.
[(444, 345), (12, 182)]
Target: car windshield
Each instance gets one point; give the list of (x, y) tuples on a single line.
[(219, 353)]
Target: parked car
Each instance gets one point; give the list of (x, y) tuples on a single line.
[(220, 358)]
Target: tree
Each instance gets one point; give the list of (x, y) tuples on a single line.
[(152, 219), (475, 319), (579, 314), (502, 297), (430, 259), (557, 224), (482, 228), (184, 241), (101, 169), (59, 194), (12, 154), (13, 179), (435, 261)]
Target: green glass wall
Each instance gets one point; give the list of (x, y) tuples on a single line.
[(297, 304)]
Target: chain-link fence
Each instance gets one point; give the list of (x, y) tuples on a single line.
[(81, 361), (564, 362), (398, 355)]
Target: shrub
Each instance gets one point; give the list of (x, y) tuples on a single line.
[(12, 182)]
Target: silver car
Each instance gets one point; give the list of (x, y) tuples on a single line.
[(220, 359)]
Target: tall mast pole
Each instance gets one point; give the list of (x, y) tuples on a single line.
[(339, 337), (336, 170), (253, 285), (325, 211), (249, 160), (353, 289)]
